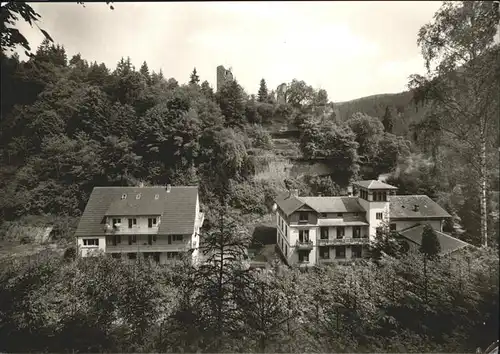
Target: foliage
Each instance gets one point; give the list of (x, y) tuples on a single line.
[(430, 245), (461, 57), (332, 143), (263, 94)]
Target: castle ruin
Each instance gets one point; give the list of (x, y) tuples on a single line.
[(223, 76)]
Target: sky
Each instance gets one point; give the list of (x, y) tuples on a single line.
[(351, 49)]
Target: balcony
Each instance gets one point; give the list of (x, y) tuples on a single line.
[(344, 241), (304, 245), (124, 247), (125, 230)]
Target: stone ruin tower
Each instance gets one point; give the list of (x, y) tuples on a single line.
[(223, 76)]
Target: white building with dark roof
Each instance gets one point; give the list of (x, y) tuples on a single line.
[(161, 223), (315, 230)]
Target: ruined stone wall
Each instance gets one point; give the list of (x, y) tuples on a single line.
[(223, 76)]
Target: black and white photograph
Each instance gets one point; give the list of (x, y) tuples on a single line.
[(250, 177)]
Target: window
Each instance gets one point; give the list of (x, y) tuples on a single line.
[(303, 216), (324, 252), (379, 230), (339, 214), (340, 252), (177, 237), (324, 233), (132, 222), (393, 227), (151, 239), (356, 231), (379, 216), (132, 255), (340, 232), (286, 230), (91, 242), (356, 251), (116, 255), (363, 194), (132, 239), (151, 222), (303, 256), (116, 239), (356, 214), (304, 235), (117, 221), (286, 250), (380, 196), (324, 215)]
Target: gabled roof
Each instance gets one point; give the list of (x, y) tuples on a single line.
[(333, 204), (320, 204), (177, 208), (374, 184), (448, 243), (289, 205), (401, 207)]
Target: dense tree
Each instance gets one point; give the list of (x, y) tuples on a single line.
[(462, 84), (263, 94), (388, 120), (144, 70), (333, 143), (232, 104), (430, 245)]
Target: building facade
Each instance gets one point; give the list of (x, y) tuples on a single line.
[(321, 230), (161, 223)]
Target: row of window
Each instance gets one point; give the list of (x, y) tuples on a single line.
[(378, 196), (340, 251), (133, 221), (153, 255), (117, 239)]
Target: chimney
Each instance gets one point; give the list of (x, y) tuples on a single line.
[(169, 188), (294, 193), (415, 207), (349, 190)]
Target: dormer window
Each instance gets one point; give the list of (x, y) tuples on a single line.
[(138, 196), (124, 196), (157, 196)]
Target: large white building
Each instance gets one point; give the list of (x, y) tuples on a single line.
[(315, 230), (161, 223)]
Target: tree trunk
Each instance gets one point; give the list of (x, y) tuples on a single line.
[(483, 183)]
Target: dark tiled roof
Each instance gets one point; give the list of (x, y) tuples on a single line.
[(289, 205), (145, 205), (333, 204), (448, 243), (177, 208), (374, 184), (401, 206)]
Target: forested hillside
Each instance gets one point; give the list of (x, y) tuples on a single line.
[(69, 124), (400, 105)]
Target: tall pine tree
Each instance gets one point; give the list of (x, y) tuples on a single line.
[(263, 94), (388, 120), (194, 78)]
